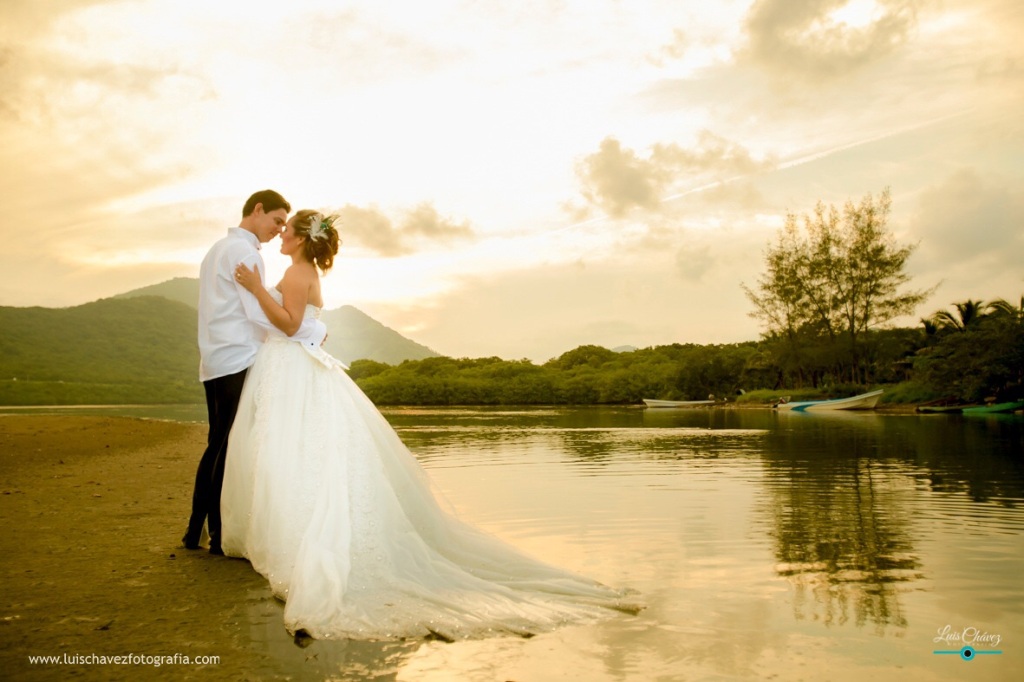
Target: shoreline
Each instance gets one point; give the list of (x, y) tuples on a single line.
[(93, 509), (887, 407)]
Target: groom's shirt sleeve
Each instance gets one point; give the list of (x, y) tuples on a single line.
[(311, 332)]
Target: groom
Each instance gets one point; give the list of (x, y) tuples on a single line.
[(231, 328)]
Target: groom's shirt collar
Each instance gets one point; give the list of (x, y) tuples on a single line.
[(247, 235)]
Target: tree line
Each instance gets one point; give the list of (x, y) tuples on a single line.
[(583, 376), (981, 359), (833, 281)]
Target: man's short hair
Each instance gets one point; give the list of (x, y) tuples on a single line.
[(270, 199)]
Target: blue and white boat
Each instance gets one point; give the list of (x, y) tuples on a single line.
[(864, 401)]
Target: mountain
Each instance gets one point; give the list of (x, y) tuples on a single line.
[(182, 289), (140, 347), (138, 350), (354, 335), (351, 333)]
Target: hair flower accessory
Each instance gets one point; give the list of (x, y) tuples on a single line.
[(320, 226)]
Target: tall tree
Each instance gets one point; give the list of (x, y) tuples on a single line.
[(838, 277)]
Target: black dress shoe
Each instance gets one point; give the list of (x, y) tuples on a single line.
[(190, 542), (215, 549)]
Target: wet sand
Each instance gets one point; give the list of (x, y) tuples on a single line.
[(93, 509)]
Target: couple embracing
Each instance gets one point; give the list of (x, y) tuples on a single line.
[(305, 478)]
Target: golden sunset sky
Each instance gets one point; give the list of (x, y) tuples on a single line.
[(515, 178)]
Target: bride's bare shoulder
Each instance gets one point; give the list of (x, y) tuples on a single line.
[(301, 272)]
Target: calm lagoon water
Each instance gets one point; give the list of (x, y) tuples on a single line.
[(766, 545)]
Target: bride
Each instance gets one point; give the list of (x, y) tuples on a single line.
[(329, 505)]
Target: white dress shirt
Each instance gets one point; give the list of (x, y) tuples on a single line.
[(231, 323)]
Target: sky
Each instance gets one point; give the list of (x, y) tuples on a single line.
[(514, 179)]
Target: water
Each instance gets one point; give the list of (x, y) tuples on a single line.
[(766, 545)]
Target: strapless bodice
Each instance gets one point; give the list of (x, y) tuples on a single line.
[(311, 310)]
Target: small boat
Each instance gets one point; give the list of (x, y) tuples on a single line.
[(676, 403), (995, 408), (941, 409), (864, 401), (947, 405)]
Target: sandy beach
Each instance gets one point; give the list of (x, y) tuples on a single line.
[(93, 509)]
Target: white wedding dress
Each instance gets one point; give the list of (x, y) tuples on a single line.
[(325, 501)]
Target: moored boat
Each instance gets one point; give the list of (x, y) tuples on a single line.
[(947, 405), (649, 402), (864, 401), (941, 409), (995, 408)]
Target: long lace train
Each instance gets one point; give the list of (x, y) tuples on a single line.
[(324, 499)]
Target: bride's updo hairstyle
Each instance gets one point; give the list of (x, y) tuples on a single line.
[(321, 237)]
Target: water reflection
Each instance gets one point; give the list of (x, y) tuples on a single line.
[(840, 541), (842, 536), (836, 512), (978, 457), (838, 495), (842, 502), (656, 444)]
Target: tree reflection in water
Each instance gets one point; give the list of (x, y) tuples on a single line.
[(842, 538), (840, 495)]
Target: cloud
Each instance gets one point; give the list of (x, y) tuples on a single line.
[(693, 262), (542, 312), (822, 39), (713, 155), (807, 70), (84, 129), (370, 229), (373, 230), (425, 221), (618, 180), (744, 196), (65, 67), (674, 50), (967, 219), (29, 18), (358, 49)]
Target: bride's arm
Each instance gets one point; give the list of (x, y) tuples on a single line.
[(294, 288)]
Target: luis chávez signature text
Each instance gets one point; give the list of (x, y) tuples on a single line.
[(970, 635)]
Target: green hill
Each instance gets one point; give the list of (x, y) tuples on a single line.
[(140, 347), (182, 289), (137, 350), (351, 333)]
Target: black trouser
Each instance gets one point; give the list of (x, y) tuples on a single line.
[(222, 396)]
